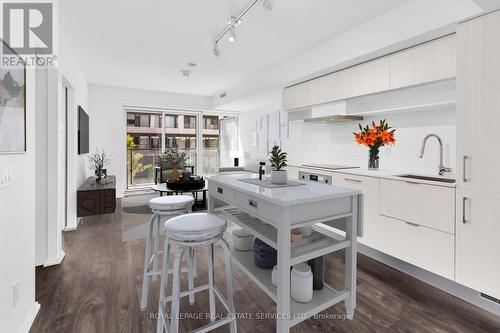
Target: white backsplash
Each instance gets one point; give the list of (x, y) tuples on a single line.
[(334, 143)]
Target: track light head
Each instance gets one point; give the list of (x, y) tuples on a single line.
[(268, 4), (232, 35), (216, 50)]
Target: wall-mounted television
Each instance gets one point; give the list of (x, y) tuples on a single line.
[(83, 131)]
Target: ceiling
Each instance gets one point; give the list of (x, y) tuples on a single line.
[(145, 44)]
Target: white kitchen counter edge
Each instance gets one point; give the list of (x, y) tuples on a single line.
[(381, 174)]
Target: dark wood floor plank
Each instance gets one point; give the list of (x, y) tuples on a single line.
[(97, 288)]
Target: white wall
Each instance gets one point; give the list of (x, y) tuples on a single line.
[(72, 75), (334, 143), (51, 168), (108, 120), (17, 230)]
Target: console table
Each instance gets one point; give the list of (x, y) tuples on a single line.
[(96, 199)]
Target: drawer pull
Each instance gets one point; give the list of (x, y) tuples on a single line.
[(410, 182), (465, 180), (464, 202), (220, 190), (253, 203), (413, 224), (352, 180)]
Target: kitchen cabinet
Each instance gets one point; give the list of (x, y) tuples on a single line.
[(370, 188), (478, 104), (295, 97), (431, 206), (367, 78), (427, 248), (433, 61), (326, 89), (477, 241)]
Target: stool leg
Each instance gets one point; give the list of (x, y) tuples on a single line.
[(191, 274), (147, 258), (229, 284), (164, 284), (156, 248), (211, 295), (176, 290)]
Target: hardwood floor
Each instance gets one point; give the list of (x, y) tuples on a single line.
[(96, 289)]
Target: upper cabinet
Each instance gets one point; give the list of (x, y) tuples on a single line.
[(478, 104), (295, 97), (326, 89), (367, 78), (433, 61), (430, 62)]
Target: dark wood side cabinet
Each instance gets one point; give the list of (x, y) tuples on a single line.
[(96, 199)]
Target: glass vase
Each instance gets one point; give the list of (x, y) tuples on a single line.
[(373, 161)]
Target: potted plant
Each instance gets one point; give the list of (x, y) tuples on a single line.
[(375, 137), (174, 160), (97, 162), (278, 162)]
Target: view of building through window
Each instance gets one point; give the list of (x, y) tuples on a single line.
[(145, 144)]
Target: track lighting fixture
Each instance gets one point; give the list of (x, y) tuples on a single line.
[(233, 22)]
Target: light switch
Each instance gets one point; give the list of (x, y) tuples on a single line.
[(6, 176)]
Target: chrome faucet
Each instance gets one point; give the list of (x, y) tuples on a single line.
[(442, 168), (262, 171)]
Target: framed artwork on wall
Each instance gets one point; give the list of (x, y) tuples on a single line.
[(12, 101)]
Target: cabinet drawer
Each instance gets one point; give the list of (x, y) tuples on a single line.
[(427, 248), (427, 205), (259, 208), (222, 192)]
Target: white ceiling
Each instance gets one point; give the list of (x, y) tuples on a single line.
[(144, 44)]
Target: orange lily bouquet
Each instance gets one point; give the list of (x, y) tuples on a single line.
[(375, 137)]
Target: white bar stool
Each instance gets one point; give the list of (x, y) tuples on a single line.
[(189, 231), (162, 206)]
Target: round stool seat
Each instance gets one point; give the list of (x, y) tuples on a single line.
[(173, 202), (195, 227)]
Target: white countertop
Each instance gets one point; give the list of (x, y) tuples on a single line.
[(385, 174), (283, 196)]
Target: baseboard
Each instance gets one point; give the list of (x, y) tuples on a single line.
[(72, 228), (55, 261), (30, 319), (451, 287)]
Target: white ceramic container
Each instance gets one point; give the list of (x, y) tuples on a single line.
[(279, 177), (242, 240), (301, 283)]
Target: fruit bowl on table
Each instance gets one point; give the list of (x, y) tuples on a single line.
[(193, 183)]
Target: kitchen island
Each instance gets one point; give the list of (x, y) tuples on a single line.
[(270, 214)]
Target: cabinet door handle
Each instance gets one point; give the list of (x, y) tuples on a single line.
[(253, 203), (464, 202), (410, 182), (465, 180), (352, 180), (412, 224)]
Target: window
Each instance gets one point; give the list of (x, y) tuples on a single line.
[(154, 132), (131, 119), (170, 121), (144, 120), (211, 122), (190, 122)]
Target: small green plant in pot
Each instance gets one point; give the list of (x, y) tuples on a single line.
[(278, 163)]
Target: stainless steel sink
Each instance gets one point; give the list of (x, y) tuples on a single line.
[(429, 178)]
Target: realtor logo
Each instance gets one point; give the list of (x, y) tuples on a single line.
[(28, 27)]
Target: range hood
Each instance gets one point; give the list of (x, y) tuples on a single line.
[(333, 119), (327, 113)]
